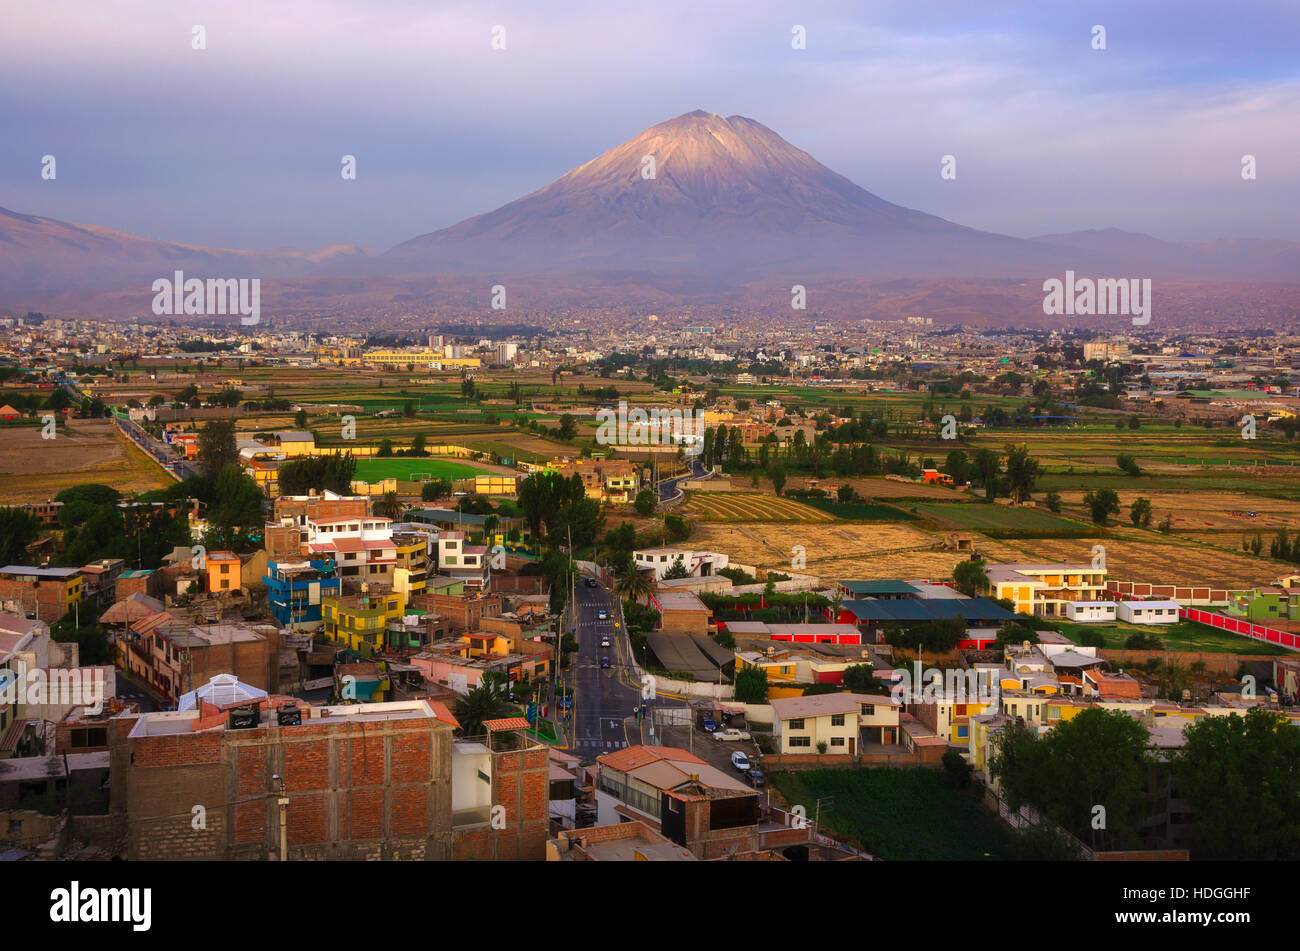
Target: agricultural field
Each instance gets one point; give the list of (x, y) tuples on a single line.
[(33, 469), (1144, 556), (831, 550), (877, 487), (1234, 514), (898, 814), (978, 516), (747, 507)]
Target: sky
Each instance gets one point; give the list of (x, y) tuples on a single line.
[(240, 144)]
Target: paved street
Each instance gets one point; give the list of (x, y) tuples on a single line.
[(602, 717)]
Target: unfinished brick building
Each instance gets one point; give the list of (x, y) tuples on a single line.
[(363, 781)]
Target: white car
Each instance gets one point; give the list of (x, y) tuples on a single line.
[(731, 734), (740, 761)]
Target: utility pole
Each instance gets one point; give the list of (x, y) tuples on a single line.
[(283, 802)]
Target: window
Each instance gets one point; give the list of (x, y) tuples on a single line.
[(837, 741), (800, 741), (963, 732), (837, 719), (797, 724), (868, 709)]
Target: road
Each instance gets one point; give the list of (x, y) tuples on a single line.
[(668, 487), (602, 715), (160, 451)]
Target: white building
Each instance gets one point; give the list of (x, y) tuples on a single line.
[(1090, 612), (699, 564), (1149, 612)]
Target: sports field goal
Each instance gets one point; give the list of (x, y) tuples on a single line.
[(421, 477)]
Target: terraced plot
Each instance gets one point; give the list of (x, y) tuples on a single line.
[(746, 507)]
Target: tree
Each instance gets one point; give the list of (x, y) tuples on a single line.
[(1128, 464), (777, 475), (751, 685), (987, 464), (956, 771), (1101, 503), (385, 448), (632, 585), (418, 444), (957, 466), (861, 678), (970, 577), (845, 493), (580, 521), (568, 427), (389, 506), (235, 511), (645, 502), (1015, 632), (435, 489), (1140, 512), (1053, 500), (1098, 758), (217, 448), (300, 419), (1240, 777), (18, 529), (1022, 472), (484, 702), (676, 570)]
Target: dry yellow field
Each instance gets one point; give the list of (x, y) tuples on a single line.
[(832, 551), (1208, 511), (1177, 561), (33, 469), (744, 507)]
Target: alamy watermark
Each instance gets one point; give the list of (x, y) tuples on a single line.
[(653, 427), (1126, 297), (944, 686), (179, 295)]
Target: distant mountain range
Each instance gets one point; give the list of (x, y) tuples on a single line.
[(699, 202)]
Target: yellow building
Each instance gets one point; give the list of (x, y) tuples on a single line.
[(223, 572), (399, 358), (1044, 590), (507, 485), (358, 621)]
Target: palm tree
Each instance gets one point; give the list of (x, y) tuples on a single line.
[(482, 703), (631, 585), (389, 506)]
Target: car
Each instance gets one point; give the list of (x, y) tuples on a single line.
[(590, 582), (756, 778), (565, 701), (740, 761), (731, 733), (709, 725), (604, 663), (605, 642), (602, 614)]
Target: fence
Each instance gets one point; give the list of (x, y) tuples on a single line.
[(1258, 632)]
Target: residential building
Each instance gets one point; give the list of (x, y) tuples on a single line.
[(359, 621), (468, 563), (710, 812), (44, 593), (698, 564), (681, 612), (1148, 612), (296, 590), (222, 572), (1045, 590), (842, 721)]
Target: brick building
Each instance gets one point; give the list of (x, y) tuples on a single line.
[(364, 781), (47, 593), (464, 612)]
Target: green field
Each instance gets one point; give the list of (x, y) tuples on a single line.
[(401, 468), (1183, 636), (980, 516), (899, 814), (860, 511)]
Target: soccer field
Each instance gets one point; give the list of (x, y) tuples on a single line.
[(402, 468)]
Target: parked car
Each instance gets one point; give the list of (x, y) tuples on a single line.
[(709, 725), (604, 663), (756, 778), (740, 761), (731, 733)]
